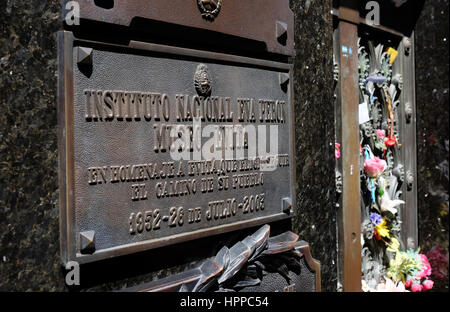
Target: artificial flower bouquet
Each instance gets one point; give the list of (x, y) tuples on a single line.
[(412, 269)]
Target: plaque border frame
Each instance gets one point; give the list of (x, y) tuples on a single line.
[(68, 242)]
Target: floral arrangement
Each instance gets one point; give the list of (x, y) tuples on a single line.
[(386, 267), (407, 271), (388, 286), (412, 269), (337, 150), (374, 167), (381, 232)]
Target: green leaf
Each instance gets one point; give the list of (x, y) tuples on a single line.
[(379, 144)]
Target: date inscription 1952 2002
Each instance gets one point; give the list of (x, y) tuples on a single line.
[(152, 220)]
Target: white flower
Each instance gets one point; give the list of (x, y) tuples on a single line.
[(365, 287), (386, 203), (390, 286)]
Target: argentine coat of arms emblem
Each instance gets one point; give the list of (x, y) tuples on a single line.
[(202, 80), (209, 8)]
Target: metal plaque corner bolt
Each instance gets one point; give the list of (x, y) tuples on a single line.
[(84, 56), (87, 242), (84, 60), (281, 29), (287, 205), (284, 81)]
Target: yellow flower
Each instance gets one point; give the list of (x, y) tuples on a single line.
[(393, 54), (382, 229), (394, 245), (444, 210), (394, 271)]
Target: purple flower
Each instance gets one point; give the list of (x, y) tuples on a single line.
[(376, 79), (375, 218), (438, 262)]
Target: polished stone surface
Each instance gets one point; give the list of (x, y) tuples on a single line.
[(314, 131), (29, 225), (432, 38)]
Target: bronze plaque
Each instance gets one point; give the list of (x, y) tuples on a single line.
[(160, 145), (265, 21)]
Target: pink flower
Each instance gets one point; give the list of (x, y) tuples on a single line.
[(381, 133), (408, 283), (426, 267), (428, 284), (416, 288), (421, 275), (337, 152), (374, 167)]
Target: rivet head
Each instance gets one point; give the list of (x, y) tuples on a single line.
[(411, 243), (281, 29), (407, 45), (283, 79), (399, 172), (409, 180), (87, 242), (84, 56), (287, 205), (408, 112)]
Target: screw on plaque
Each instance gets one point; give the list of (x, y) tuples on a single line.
[(84, 56), (84, 60), (283, 80), (87, 242), (281, 32), (287, 205), (409, 180), (408, 112), (407, 45)]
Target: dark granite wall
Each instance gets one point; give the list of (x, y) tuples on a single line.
[(29, 225), (432, 39), (314, 120)]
